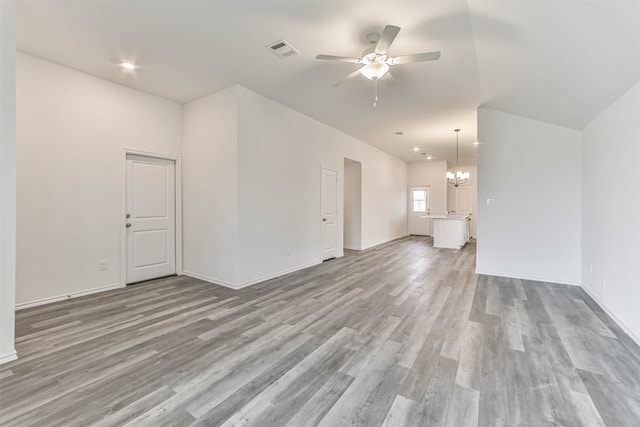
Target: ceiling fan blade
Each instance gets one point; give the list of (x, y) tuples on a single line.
[(347, 77), (338, 58), (416, 57), (388, 35)]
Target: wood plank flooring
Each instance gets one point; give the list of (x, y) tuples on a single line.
[(399, 335)]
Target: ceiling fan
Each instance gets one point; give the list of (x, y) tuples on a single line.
[(375, 62)]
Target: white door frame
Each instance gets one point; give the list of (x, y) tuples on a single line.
[(123, 209), (410, 207)]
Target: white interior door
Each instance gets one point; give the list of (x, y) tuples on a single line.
[(465, 203), (329, 214), (151, 218), (419, 208)]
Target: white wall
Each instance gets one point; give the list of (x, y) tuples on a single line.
[(209, 178), (280, 154), (71, 131), (533, 171), (7, 182), (352, 205), (611, 209), (433, 174), (384, 191)]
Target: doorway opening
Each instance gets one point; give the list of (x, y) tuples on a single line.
[(352, 204)]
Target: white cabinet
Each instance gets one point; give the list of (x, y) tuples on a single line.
[(451, 231)]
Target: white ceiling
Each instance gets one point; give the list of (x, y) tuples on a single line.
[(556, 61)]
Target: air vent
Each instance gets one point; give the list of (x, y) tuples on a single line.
[(282, 48)]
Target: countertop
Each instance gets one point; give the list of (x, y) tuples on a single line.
[(458, 217)]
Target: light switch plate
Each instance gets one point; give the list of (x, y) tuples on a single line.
[(491, 202)]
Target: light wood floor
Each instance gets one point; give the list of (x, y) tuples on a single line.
[(403, 334)]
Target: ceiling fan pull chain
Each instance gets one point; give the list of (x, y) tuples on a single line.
[(375, 92)]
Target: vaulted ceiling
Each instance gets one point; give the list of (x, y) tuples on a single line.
[(560, 62)]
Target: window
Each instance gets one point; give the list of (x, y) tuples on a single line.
[(419, 198)]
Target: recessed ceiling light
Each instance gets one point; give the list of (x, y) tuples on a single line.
[(429, 157), (416, 149), (399, 133), (476, 143), (128, 66)]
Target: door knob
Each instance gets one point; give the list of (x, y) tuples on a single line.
[(128, 224), (324, 219), (128, 216)]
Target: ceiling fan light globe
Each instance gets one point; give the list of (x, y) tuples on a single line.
[(374, 70)]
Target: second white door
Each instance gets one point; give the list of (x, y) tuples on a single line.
[(150, 218), (329, 208)]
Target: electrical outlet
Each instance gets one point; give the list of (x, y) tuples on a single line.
[(102, 265), (590, 269), (604, 285)]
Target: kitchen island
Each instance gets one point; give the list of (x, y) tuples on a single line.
[(450, 231)]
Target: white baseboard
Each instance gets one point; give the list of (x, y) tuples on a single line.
[(5, 358), (382, 242), (212, 280), (48, 300), (619, 322), (237, 286), (536, 278), (353, 248)]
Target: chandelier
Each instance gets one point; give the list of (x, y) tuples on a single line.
[(459, 177)]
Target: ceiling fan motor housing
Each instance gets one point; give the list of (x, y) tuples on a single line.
[(371, 57)]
